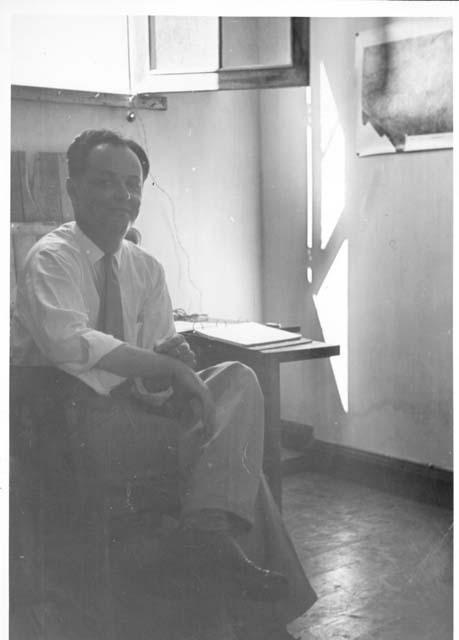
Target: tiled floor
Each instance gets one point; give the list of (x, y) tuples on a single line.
[(381, 564)]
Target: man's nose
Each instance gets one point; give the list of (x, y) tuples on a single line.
[(122, 192)]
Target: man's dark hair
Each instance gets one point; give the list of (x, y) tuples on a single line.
[(77, 153)]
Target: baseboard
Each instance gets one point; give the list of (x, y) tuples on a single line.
[(422, 482), (296, 436)]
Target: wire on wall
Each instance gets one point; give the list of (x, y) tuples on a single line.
[(172, 221), (179, 242)]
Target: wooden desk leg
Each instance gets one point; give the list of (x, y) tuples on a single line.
[(269, 378)]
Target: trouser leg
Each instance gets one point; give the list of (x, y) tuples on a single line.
[(223, 472), (235, 482), (269, 545)]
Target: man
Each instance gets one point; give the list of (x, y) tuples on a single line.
[(96, 307)]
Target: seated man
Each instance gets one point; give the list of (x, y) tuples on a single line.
[(96, 308)]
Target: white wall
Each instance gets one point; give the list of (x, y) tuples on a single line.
[(383, 286), (86, 53), (204, 153)]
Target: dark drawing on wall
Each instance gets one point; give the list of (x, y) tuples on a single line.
[(405, 87)]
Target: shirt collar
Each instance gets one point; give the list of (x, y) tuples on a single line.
[(90, 249)]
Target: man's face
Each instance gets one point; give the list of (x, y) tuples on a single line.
[(107, 196)]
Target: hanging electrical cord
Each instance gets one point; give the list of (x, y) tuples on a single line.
[(172, 221), (180, 244)]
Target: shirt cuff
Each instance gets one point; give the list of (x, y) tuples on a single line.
[(99, 345), (93, 346), (156, 399)]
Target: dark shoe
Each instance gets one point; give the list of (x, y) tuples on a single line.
[(262, 632), (218, 556), (259, 621)]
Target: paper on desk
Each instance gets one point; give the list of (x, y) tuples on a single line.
[(182, 326), (247, 334)]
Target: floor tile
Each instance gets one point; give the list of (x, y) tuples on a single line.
[(380, 564)]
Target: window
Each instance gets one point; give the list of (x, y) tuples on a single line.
[(184, 53)]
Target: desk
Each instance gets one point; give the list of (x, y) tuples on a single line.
[(265, 361)]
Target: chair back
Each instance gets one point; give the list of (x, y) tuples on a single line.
[(39, 204)]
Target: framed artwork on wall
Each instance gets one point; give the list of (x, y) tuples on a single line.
[(404, 87)]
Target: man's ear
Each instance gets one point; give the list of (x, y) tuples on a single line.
[(70, 187), (72, 191)]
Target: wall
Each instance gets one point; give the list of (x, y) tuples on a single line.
[(381, 282), (204, 151)]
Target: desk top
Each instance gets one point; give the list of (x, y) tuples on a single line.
[(312, 348), (282, 353)]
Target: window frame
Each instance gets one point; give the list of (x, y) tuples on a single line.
[(143, 80)]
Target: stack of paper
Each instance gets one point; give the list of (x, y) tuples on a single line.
[(247, 334)]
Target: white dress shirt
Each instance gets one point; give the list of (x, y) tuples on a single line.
[(57, 305)]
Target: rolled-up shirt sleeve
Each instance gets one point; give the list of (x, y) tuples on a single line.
[(57, 316)]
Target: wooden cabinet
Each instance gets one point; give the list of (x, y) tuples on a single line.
[(166, 53), (85, 53), (158, 54)]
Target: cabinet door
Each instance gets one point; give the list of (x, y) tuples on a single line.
[(86, 53), (194, 53)]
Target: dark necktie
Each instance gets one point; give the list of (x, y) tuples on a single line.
[(111, 309)]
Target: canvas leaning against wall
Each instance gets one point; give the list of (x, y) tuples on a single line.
[(404, 87)]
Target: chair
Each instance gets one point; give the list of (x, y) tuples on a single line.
[(53, 506), (61, 540), (67, 549), (67, 560)]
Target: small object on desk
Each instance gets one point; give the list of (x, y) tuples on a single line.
[(181, 314), (247, 334)]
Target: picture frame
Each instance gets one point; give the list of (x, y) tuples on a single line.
[(404, 87)]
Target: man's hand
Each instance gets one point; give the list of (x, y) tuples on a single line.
[(131, 362), (177, 347), (189, 385)]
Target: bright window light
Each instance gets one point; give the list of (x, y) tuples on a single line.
[(332, 173), (332, 308)]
